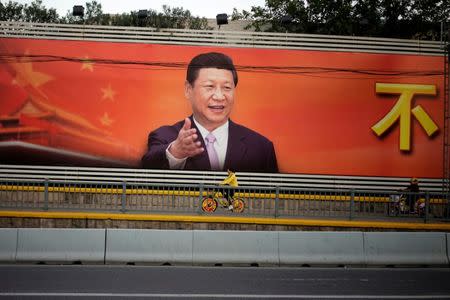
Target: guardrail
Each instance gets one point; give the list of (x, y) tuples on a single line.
[(218, 38), (153, 198), (200, 247)]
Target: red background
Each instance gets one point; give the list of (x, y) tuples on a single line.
[(319, 119)]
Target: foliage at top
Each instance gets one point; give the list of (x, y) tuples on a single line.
[(416, 19), (175, 17)]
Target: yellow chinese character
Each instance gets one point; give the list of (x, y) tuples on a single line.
[(402, 110)]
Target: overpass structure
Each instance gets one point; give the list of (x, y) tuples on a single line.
[(273, 199), (287, 195)]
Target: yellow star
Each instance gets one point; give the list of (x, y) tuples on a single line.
[(108, 93), (106, 120), (87, 64), (25, 75)]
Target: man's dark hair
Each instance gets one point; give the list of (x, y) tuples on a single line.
[(210, 60)]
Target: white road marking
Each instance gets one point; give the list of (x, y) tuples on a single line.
[(241, 296)]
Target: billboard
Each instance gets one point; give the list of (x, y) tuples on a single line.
[(86, 103)]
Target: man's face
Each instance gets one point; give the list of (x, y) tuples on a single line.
[(211, 97)]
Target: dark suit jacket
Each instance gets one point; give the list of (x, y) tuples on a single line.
[(248, 151)]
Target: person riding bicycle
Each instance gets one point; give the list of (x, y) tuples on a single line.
[(232, 181), (412, 197)]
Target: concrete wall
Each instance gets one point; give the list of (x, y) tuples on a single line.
[(208, 247)]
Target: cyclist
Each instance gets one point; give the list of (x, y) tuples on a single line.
[(232, 181), (413, 194)]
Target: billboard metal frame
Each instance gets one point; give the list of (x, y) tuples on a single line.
[(244, 39)]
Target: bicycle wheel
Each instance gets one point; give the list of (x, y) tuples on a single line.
[(209, 205), (393, 210), (238, 205)]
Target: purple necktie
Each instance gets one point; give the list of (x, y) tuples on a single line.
[(213, 158)]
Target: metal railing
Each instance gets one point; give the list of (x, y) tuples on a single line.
[(218, 38), (156, 198)]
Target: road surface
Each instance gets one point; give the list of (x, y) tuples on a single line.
[(178, 282)]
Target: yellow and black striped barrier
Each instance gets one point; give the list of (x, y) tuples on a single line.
[(228, 219), (183, 193)]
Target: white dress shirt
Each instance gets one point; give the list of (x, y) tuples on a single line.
[(221, 144)]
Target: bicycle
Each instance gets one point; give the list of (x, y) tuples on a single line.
[(397, 205), (216, 199)]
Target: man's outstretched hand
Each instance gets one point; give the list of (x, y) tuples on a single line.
[(186, 144)]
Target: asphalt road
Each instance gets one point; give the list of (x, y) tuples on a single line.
[(169, 282)]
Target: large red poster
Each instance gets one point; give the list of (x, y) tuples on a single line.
[(94, 103)]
